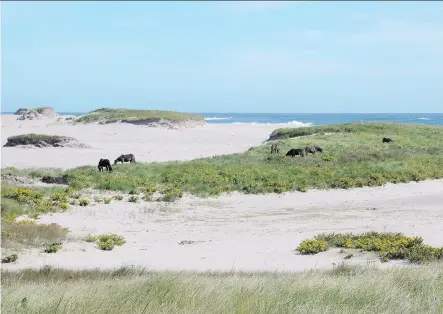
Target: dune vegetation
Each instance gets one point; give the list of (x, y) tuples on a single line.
[(353, 156), (107, 115), (345, 289), (16, 201), (37, 139), (387, 245)]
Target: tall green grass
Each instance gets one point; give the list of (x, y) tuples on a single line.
[(343, 290)]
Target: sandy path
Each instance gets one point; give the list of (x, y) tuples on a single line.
[(244, 232), (112, 140)]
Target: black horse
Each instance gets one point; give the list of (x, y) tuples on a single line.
[(104, 163), (387, 140), (313, 149), (296, 151), (125, 158)]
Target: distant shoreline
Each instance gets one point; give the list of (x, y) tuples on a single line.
[(309, 119)]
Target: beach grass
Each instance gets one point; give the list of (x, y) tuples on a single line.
[(30, 201), (353, 156), (107, 115), (345, 289)]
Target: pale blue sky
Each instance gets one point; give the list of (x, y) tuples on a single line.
[(224, 56)]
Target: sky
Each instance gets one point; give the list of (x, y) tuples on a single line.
[(201, 56)]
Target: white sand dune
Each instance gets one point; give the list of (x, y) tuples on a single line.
[(237, 232), (111, 140)]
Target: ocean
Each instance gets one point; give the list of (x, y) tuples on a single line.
[(307, 119)]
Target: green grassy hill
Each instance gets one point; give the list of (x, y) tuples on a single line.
[(354, 156), (106, 115)]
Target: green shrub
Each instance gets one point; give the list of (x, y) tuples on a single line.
[(118, 240), (105, 241), (52, 247), (24, 196), (118, 197), (83, 202), (387, 245), (149, 189), (108, 241), (63, 205), (170, 194), (107, 200), (10, 259), (312, 246), (106, 245), (91, 238), (327, 157), (59, 197)]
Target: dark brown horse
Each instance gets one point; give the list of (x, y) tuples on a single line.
[(296, 151), (387, 140), (104, 163), (125, 158), (313, 149)]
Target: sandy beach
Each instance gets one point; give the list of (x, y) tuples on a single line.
[(231, 232), (111, 140)]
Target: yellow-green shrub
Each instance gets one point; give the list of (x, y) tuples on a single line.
[(52, 247), (387, 245), (312, 246), (84, 202)]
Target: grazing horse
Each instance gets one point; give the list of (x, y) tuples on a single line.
[(275, 149), (296, 151), (104, 163), (313, 149), (387, 140), (125, 158)]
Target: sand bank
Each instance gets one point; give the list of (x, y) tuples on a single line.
[(243, 232)]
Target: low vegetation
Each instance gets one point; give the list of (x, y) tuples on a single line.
[(17, 201), (387, 245), (10, 258), (353, 156), (106, 242), (52, 247), (343, 290), (107, 115), (84, 202), (38, 140)]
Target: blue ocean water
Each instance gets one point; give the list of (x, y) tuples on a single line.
[(307, 119)]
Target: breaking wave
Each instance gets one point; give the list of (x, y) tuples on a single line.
[(217, 118)]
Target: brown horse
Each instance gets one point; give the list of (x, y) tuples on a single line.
[(125, 158)]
